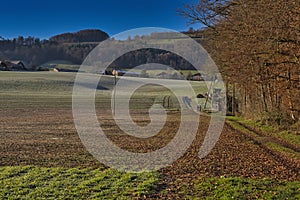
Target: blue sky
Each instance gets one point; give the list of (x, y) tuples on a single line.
[(47, 18)]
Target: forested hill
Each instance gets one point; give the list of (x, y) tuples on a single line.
[(72, 47), (92, 35)]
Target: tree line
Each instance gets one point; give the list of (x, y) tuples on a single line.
[(256, 45)]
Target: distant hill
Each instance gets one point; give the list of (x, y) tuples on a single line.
[(73, 47), (89, 35)]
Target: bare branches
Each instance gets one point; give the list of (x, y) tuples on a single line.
[(206, 12)]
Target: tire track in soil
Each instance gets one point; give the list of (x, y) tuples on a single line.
[(292, 164), (269, 138), (235, 155)]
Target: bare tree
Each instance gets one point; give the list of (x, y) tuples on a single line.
[(206, 12)]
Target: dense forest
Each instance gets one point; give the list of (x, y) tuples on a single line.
[(256, 45), (149, 55)]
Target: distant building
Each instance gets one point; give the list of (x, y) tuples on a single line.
[(197, 77), (20, 64), (13, 66)]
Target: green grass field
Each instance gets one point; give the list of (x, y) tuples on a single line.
[(30, 182), (50, 89)]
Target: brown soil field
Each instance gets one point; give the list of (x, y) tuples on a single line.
[(47, 137)]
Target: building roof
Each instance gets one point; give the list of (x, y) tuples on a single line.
[(16, 64)]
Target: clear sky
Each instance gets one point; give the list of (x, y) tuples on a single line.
[(45, 18)]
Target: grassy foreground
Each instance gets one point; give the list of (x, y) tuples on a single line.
[(243, 188), (30, 182)]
